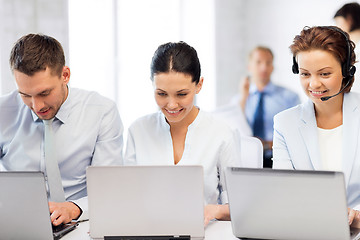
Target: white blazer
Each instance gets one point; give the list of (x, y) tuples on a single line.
[(296, 143)]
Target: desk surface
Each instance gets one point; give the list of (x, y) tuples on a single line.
[(214, 231)]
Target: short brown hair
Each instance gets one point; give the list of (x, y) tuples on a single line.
[(260, 48), (35, 52), (328, 38)]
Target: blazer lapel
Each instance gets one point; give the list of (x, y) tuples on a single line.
[(351, 124), (308, 131)]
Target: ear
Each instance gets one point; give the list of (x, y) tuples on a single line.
[(199, 85), (65, 75)]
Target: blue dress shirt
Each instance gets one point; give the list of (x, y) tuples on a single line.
[(88, 131), (276, 99)]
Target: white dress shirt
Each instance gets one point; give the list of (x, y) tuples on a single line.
[(88, 131), (209, 143)]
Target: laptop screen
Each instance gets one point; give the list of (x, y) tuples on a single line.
[(146, 201), (287, 204)]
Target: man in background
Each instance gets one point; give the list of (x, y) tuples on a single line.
[(260, 99), (47, 126)]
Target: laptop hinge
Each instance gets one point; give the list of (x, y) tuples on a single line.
[(180, 237)]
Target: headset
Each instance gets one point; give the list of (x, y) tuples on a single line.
[(347, 69)]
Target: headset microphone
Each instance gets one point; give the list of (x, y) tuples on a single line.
[(328, 97)]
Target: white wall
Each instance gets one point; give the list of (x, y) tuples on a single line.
[(241, 25), (20, 17), (230, 28)]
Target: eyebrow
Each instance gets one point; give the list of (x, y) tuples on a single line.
[(45, 91), (185, 89), (322, 69)]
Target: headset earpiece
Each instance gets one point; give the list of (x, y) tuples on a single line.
[(352, 71), (295, 67)]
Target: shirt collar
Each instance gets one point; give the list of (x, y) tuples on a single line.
[(62, 114), (166, 125), (269, 88)]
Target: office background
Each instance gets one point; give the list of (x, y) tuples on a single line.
[(109, 43)]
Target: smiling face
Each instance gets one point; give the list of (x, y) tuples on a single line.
[(43, 92), (174, 94), (320, 75)]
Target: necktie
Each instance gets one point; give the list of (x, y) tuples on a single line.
[(258, 126), (52, 167)]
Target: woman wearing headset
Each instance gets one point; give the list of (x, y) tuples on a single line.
[(180, 133), (324, 132)]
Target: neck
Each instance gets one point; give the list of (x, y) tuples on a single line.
[(187, 120), (355, 36), (261, 84), (329, 113)]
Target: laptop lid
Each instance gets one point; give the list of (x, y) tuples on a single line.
[(24, 209), (146, 201), (287, 204)]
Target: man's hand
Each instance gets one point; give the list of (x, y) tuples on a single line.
[(63, 212), (244, 91), (354, 218)]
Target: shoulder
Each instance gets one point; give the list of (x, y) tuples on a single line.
[(353, 96), (211, 123), (83, 100), (11, 102), (290, 115), (90, 97), (146, 122), (285, 92)]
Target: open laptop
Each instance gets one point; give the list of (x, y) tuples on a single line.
[(24, 209), (135, 202), (287, 204)]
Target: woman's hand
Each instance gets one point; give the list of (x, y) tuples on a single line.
[(213, 211), (354, 218)]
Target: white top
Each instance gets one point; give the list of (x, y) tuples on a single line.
[(330, 143), (208, 142), (356, 85)]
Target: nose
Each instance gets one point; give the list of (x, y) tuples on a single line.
[(314, 83), (172, 104), (37, 104)]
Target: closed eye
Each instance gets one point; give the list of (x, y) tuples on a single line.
[(326, 74), (304, 74), (162, 94)]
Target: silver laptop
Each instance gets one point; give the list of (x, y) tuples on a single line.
[(126, 202), (287, 204), (24, 209)]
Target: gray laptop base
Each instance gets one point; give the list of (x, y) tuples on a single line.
[(24, 209), (287, 204)]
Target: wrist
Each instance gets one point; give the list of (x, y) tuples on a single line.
[(75, 211)]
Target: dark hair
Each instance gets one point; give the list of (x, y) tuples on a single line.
[(178, 57), (35, 52), (331, 39), (352, 11)]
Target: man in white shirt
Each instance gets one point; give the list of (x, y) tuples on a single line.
[(87, 128)]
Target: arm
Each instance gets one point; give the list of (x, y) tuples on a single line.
[(244, 92), (130, 153), (107, 151), (281, 156), (229, 157)]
